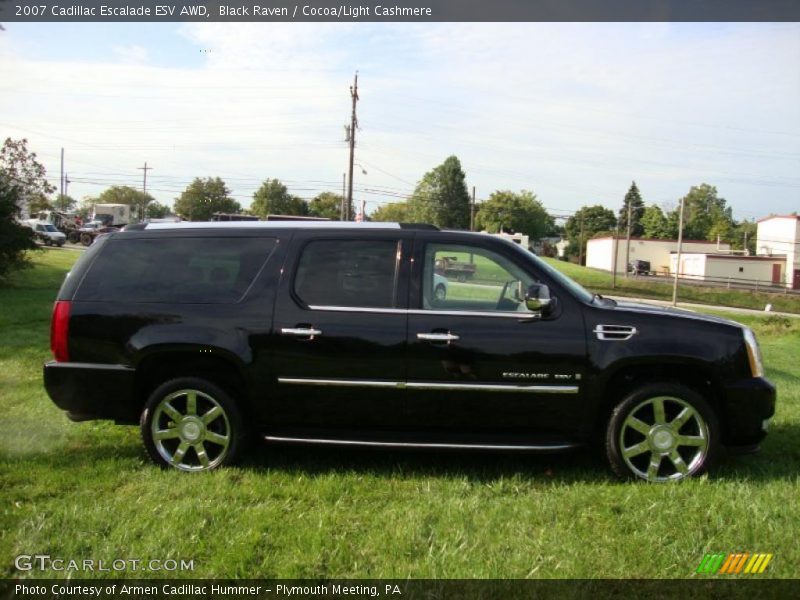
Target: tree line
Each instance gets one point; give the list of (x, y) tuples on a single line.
[(441, 198)]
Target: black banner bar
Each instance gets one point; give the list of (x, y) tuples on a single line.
[(749, 588), (399, 10)]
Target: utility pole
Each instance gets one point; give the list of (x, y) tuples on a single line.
[(145, 168), (472, 211), (351, 135), (628, 245), (616, 254), (678, 262), (344, 197), (66, 183), (62, 173)]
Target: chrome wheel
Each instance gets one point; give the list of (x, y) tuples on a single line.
[(664, 438), (190, 430)]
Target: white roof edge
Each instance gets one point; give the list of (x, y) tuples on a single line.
[(271, 225)]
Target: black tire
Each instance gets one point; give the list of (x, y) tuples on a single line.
[(86, 239), (201, 439), (440, 293), (662, 432)]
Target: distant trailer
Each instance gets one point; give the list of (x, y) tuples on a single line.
[(232, 217), (294, 218)]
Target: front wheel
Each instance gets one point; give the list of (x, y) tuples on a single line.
[(191, 424), (662, 432)]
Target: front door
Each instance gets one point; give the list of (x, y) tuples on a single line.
[(340, 332), (478, 362), (776, 273)]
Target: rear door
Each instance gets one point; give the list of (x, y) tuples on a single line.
[(340, 332), (478, 363)]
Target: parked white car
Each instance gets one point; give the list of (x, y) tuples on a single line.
[(439, 286), (48, 234)]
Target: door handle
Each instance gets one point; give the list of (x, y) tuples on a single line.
[(301, 332), (438, 337)]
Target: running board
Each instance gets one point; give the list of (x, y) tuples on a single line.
[(424, 445)]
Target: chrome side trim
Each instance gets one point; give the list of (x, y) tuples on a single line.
[(468, 387), (416, 311), (433, 445), (615, 333), (490, 387), (341, 382)]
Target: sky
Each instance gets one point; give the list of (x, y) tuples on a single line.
[(573, 112)]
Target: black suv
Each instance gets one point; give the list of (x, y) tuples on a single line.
[(340, 333)]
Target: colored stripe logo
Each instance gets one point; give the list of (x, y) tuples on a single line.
[(734, 563)]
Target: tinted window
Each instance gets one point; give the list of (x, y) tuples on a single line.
[(178, 270), (348, 273), (471, 278)]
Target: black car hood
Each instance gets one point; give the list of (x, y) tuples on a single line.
[(655, 309)]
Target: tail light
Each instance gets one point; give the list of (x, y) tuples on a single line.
[(59, 331)]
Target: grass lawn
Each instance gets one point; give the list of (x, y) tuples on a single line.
[(86, 490), (660, 288)]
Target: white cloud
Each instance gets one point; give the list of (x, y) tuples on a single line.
[(131, 53), (571, 111)]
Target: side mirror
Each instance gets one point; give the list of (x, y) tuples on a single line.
[(539, 301)]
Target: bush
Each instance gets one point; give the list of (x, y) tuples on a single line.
[(15, 239)]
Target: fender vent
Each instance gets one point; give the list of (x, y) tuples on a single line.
[(615, 333)]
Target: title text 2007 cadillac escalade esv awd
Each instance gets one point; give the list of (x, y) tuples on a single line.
[(207, 334)]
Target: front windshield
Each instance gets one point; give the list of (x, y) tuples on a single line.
[(574, 287), (50, 228)]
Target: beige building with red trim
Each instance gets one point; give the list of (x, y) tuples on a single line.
[(779, 236), (600, 252), (776, 264)]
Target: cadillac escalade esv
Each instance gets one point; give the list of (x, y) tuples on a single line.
[(207, 334)]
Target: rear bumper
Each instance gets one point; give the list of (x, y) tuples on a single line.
[(750, 406), (92, 391)]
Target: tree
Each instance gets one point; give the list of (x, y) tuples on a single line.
[(441, 198), (25, 173), (272, 198), (23, 170), (156, 210), (705, 214), (15, 239), (392, 212), (654, 223), (633, 199), (327, 205), (513, 212), (65, 203), (586, 223), (746, 231), (39, 203), (204, 197)]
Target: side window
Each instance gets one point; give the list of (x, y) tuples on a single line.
[(471, 278), (355, 273), (175, 270)]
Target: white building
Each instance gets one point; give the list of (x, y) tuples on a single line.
[(732, 269), (600, 252), (779, 236)]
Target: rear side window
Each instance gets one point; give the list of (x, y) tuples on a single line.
[(177, 270), (348, 273)]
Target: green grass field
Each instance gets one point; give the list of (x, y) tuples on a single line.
[(86, 490), (660, 288)]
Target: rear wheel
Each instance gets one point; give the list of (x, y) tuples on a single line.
[(662, 432), (191, 424), (440, 293)]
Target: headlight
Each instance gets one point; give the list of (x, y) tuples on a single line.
[(753, 353)]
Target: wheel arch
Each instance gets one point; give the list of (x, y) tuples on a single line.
[(628, 377), (214, 365)]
